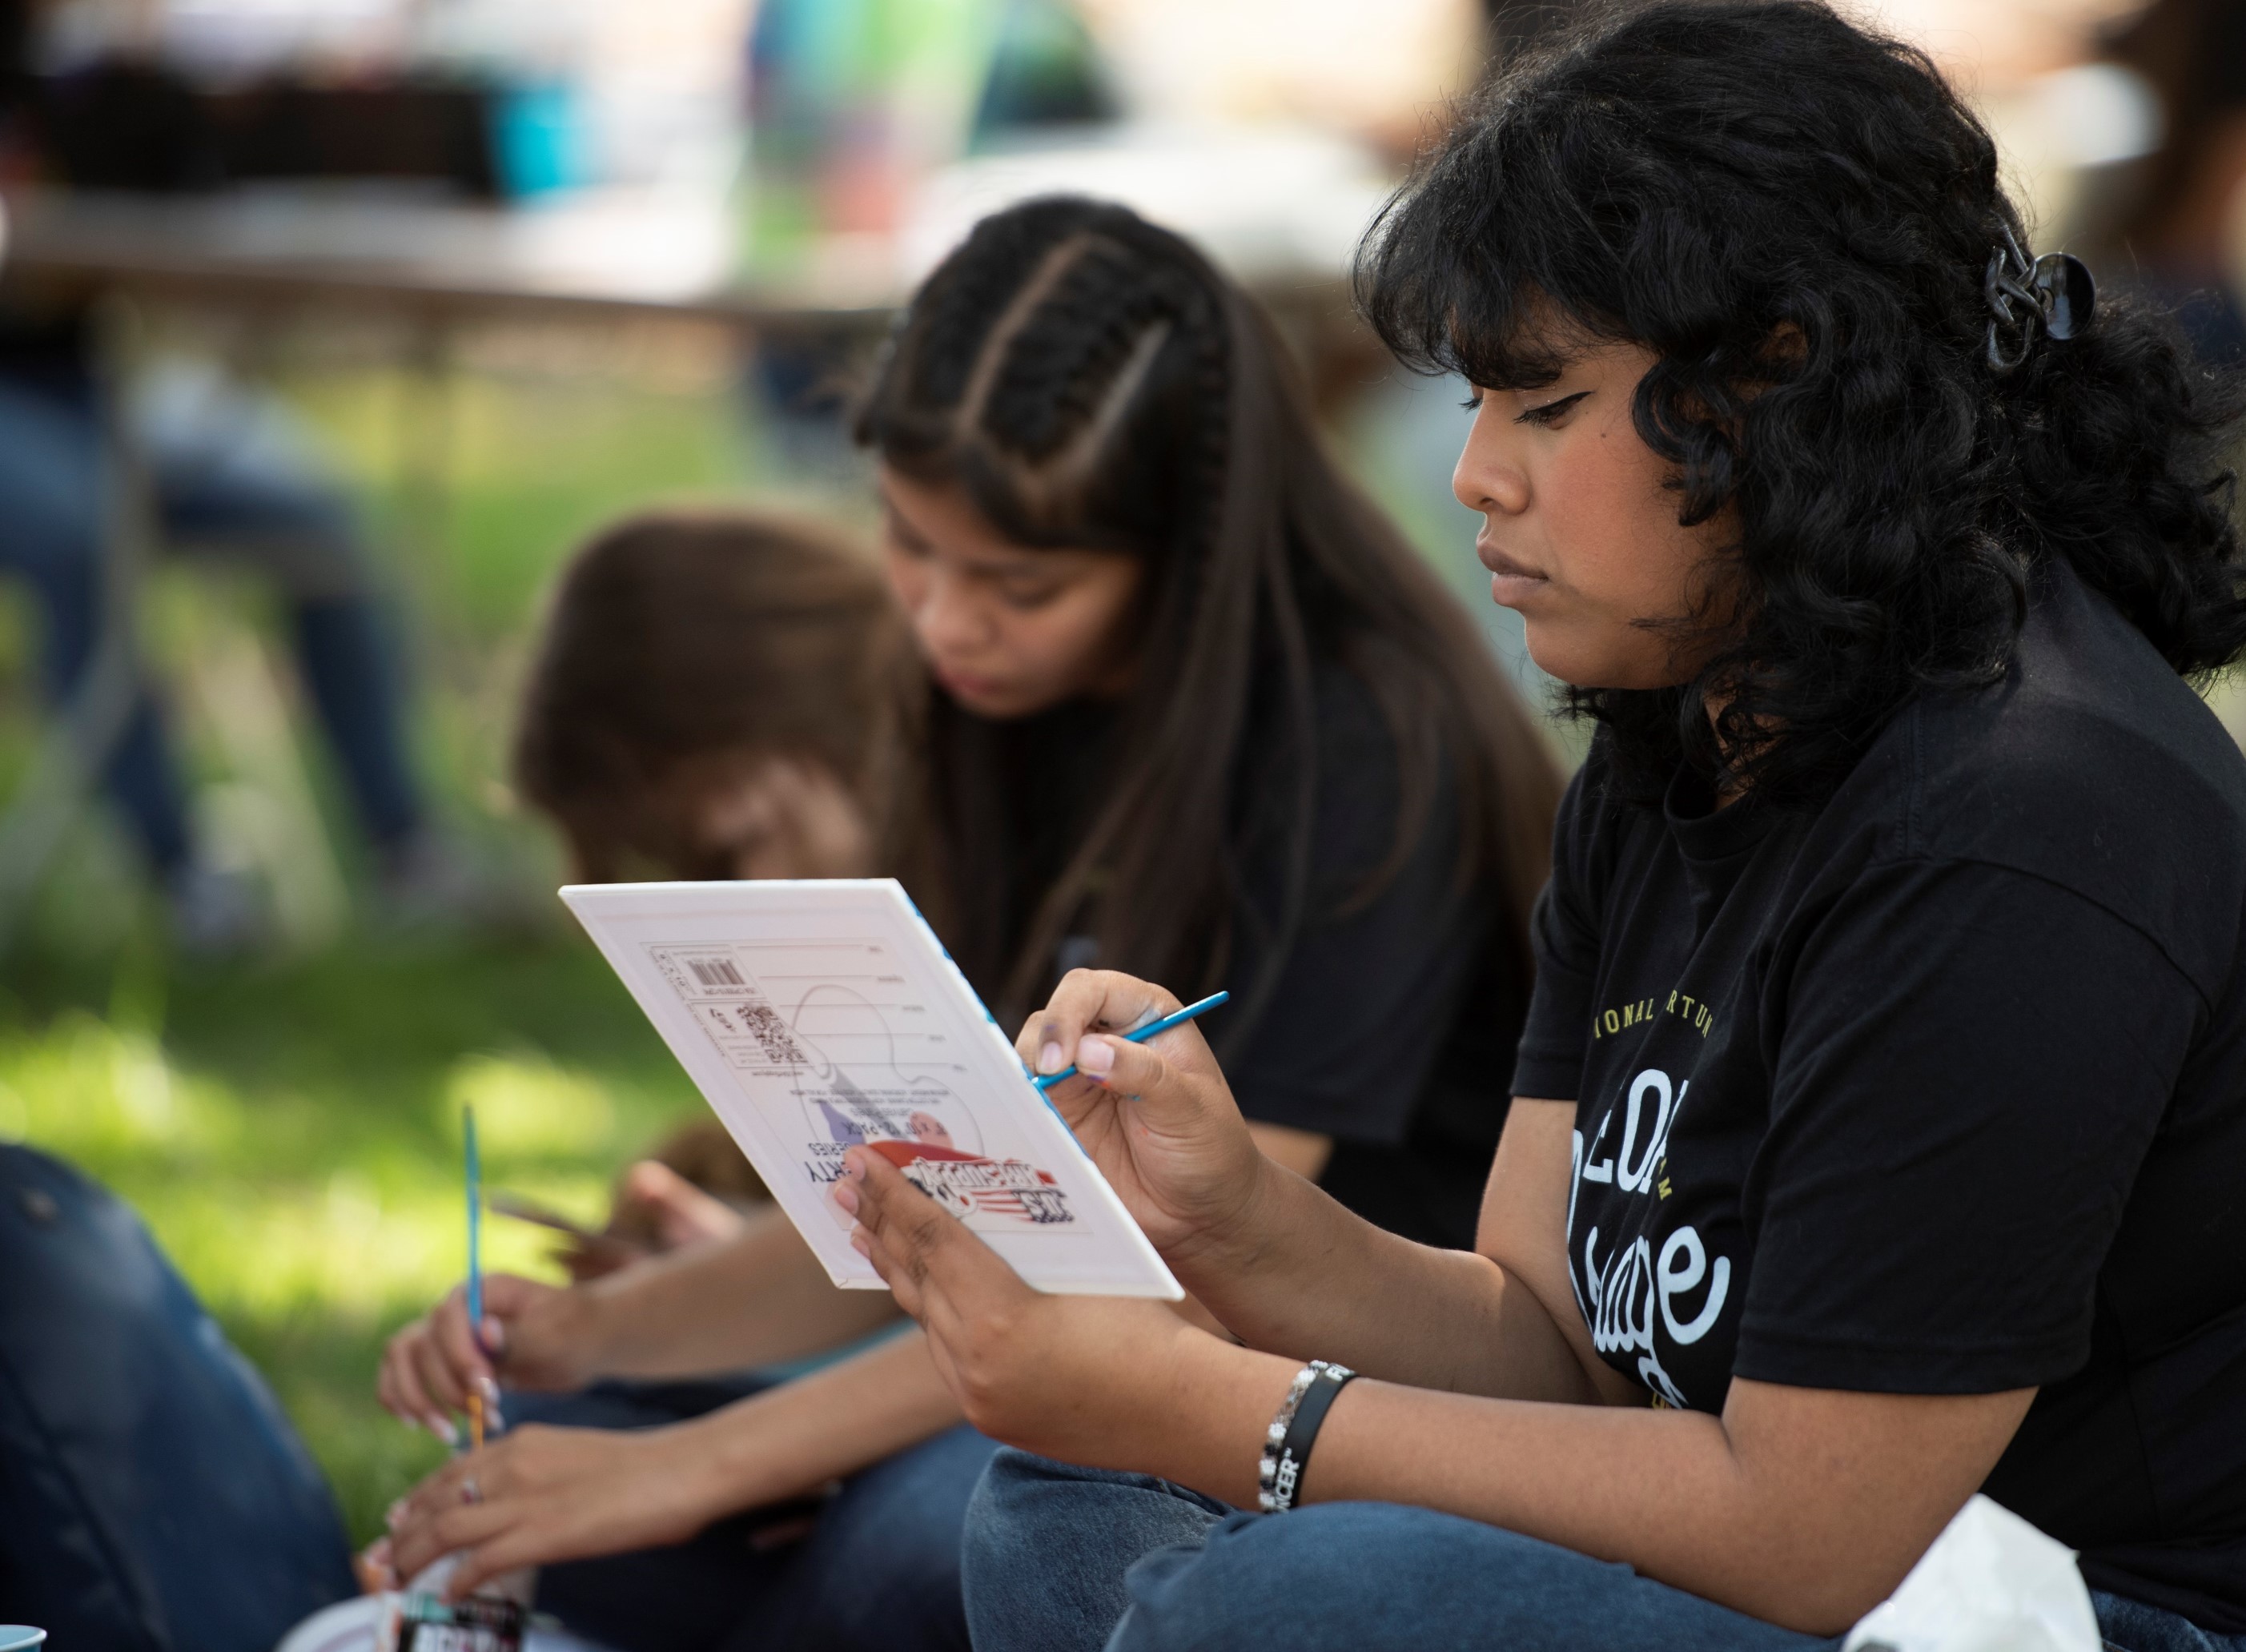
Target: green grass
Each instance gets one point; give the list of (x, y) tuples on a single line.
[(288, 1129), (292, 1136)]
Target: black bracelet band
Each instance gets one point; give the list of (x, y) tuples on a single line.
[(1294, 1454)]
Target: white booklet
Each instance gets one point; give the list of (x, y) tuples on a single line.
[(817, 1015)]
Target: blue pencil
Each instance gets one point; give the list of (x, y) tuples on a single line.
[(475, 1179), (475, 1228), (1046, 1081)]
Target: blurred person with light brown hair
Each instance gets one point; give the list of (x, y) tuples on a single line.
[(702, 703), (705, 697)]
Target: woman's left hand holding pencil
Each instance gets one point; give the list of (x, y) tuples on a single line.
[(536, 1335)]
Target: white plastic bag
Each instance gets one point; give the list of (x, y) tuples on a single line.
[(1990, 1583)]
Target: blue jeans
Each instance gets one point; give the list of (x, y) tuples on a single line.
[(878, 1571), (227, 483), (1069, 1559)]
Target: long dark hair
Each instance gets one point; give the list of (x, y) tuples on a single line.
[(1087, 379), (1794, 216)]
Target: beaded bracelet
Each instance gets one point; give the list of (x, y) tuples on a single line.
[(1294, 1429)]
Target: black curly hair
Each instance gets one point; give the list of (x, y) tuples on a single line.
[(1794, 216), (1087, 379)]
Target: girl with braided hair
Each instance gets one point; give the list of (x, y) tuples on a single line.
[(1186, 704), (1880, 1124)]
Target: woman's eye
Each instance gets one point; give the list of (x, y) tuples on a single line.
[(1550, 413), (1473, 404), (1025, 597)]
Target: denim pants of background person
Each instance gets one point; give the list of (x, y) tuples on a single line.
[(228, 480), (1067, 1559), (878, 1571)]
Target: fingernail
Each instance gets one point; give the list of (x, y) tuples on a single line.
[(443, 1428), (1095, 1055), (847, 1196), (394, 1515), (854, 1168), (860, 1243), (495, 1335), (489, 1390), (1050, 1057)]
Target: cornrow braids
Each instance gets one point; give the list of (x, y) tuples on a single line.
[(1087, 380)]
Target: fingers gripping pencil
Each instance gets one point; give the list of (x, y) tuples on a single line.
[(1046, 1081)]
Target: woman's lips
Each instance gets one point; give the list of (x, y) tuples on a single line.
[(1501, 565), (1510, 580), (963, 687)]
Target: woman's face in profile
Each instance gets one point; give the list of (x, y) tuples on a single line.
[(1009, 630), (1579, 527)]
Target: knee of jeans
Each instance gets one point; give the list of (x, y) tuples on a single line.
[(55, 537), (1017, 1496), (1002, 1508), (313, 552), (1333, 1574)]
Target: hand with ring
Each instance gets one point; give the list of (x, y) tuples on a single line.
[(539, 1494)]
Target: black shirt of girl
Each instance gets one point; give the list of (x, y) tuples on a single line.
[(1940, 1089)]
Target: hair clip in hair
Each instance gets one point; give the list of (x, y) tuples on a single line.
[(2055, 292)]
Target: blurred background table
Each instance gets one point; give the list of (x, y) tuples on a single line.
[(597, 257), (1282, 208)]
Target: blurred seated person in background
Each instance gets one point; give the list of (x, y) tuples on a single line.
[(2184, 241), (230, 477), (707, 699), (704, 703), (1186, 698)]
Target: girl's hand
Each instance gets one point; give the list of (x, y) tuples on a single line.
[(1157, 1118), (1080, 1378), (534, 1336), (545, 1494)]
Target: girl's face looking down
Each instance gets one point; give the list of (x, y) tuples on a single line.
[(1579, 527), (1009, 630), (781, 817)]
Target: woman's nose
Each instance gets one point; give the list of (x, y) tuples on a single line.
[(951, 619), (1484, 481)]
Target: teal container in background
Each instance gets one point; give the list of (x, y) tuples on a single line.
[(538, 138)]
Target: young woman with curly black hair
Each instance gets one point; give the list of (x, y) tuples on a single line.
[(1881, 1119)]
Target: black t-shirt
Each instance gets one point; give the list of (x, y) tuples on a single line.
[(1940, 1089), (1389, 1018)]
